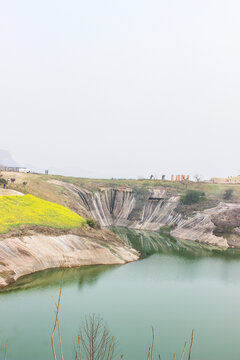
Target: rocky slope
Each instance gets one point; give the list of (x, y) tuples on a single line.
[(35, 251), (146, 210), (27, 250), (203, 226), (154, 208)]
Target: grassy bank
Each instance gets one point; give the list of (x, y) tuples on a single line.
[(212, 191), (30, 210), (39, 184), (54, 188)]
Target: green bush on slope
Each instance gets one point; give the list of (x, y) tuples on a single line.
[(192, 197)]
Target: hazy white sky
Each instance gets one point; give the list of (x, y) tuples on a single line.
[(121, 88)]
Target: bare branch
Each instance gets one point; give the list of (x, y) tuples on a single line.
[(152, 343), (97, 344), (190, 350), (6, 349), (60, 341), (56, 321), (184, 349)]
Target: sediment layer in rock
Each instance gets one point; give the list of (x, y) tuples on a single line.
[(157, 207), (23, 255)]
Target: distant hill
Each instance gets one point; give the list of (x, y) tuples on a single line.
[(6, 159)]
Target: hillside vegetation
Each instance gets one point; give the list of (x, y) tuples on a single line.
[(40, 185), (47, 188), (30, 210), (192, 197), (213, 191)]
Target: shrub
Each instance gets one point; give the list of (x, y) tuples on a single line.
[(192, 197), (228, 194), (93, 223), (3, 181), (167, 228)]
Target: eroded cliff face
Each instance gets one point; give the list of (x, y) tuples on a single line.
[(153, 208), (28, 254), (148, 210), (109, 206)]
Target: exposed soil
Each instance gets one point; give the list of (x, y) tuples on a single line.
[(99, 235)]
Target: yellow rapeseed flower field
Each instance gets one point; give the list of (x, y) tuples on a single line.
[(30, 210)]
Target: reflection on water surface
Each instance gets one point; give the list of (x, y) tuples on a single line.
[(176, 286)]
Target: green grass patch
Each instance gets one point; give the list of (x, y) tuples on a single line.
[(192, 197)]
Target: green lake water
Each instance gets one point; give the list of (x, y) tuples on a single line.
[(176, 287)]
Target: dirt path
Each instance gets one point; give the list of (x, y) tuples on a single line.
[(9, 192)]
